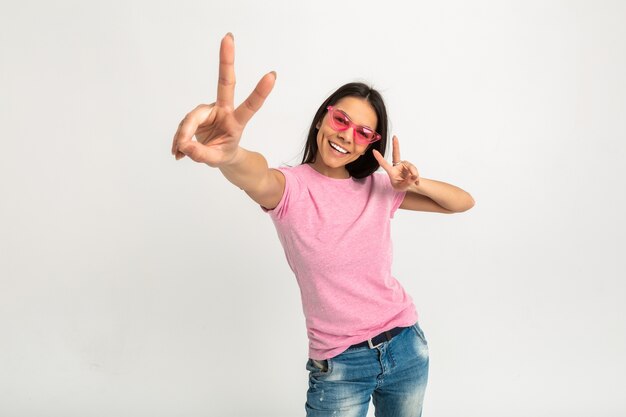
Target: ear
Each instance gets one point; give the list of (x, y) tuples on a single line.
[(317, 126)]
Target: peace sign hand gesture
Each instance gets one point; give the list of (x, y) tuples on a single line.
[(217, 127), (402, 174)]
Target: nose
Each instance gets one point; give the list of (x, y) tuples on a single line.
[(347, 135)]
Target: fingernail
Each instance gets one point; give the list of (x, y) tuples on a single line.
[(275, 75), (231, 35)]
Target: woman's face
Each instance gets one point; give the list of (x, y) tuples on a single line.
[(331, 161)]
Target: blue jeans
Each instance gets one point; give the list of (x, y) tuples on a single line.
[(394, 374)]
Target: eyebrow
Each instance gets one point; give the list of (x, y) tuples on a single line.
[(371, 128)]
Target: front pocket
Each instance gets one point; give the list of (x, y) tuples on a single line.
[(319, 367), (420, 333), (322, 365)]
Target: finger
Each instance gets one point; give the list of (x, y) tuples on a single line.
[(382, 161), (396, 149), (174, 143), (226, 80), (255, 100), (188, 126), (413, 174), (183, 127), (194, 150), (177, 154), (417, 176), (405, 172), (412, 169)]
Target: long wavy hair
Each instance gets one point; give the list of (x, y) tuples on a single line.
[(366, 164)]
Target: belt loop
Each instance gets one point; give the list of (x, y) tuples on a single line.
[(371, 345)]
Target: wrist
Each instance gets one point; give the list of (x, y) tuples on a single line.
[(417, 188), (238, 156)]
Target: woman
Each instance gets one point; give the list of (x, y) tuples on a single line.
[(332, 214)]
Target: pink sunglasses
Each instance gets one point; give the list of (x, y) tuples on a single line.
[(340, 121)]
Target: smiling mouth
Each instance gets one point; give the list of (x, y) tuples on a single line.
[(338, 148)]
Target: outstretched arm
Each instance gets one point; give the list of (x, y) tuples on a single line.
[(437, 196), (422, 194), (217, 128)]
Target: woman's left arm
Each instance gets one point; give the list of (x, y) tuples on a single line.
[(436, 196), (422, 194)]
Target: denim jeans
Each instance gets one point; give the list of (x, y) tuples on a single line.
[(393, 374)]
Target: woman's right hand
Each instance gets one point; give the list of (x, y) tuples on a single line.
[(218, 126)]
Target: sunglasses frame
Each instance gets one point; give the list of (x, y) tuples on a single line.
[(351, 124)]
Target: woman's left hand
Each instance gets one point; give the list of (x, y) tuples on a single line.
[(402, 174)]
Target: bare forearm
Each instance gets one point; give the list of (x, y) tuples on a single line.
[(247, 170), (446, 195)]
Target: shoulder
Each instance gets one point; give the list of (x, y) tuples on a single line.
[(293, 178), (295, 170), (290, 178)]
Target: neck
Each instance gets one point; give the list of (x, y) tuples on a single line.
[(340, 173)]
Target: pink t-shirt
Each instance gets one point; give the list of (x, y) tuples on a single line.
[(336, 237)]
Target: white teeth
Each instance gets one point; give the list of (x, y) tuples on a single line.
[(338, 148)]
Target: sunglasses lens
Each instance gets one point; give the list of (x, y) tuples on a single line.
[(365, 135), (339, 120)]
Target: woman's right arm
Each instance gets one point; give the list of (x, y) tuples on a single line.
[(217, 128), (249, 171)]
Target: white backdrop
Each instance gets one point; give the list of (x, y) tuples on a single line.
[(136, 285)]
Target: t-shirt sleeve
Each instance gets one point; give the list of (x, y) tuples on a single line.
[(395, 197), (398, 198), (292, 190)]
